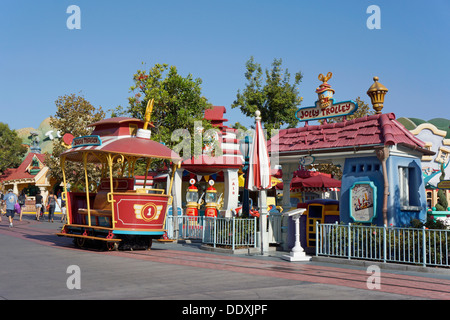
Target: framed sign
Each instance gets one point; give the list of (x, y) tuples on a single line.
[(363, 201), (325, 107), (331, 110), (87, 141), (306, 160), (444, 184)]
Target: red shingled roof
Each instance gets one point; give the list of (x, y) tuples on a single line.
[(21, 172), (366, 132)]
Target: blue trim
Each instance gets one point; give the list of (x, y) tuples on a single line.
[(143, 233), (316, 105), (374, 192)]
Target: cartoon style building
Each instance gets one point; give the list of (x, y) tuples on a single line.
[(435, 140), (224, 167), (381, 162), (32, 175)]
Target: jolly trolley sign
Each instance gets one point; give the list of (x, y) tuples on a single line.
[(325, 107)]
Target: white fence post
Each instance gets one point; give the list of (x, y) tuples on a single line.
[(384, 244), (349, 235), (424, 245)]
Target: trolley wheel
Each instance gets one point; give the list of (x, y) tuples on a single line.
[(150, 242), (79, 242), (111, 245)]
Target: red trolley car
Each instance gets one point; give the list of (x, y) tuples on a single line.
[(118, 214)]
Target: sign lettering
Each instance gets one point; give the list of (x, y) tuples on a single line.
[(86, 141), (333, 110), (444, 184)]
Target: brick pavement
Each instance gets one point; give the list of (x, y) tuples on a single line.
[(425, 286)]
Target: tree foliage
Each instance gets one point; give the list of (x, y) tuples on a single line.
[(178, 101), (73, 115), (270, 92), (11, 149)]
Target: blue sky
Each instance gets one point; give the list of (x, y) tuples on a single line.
[(41, 59)]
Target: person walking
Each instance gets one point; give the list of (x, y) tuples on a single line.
[(51, 203), (10, 199), (1, 205), (22, 198), (38, 205), (63, 211)]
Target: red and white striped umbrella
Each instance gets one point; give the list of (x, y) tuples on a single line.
[(259, 177)]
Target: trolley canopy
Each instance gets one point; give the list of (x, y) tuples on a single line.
[(118, 136)]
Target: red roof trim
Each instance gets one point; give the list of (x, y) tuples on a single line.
[(361, 133), (21, 172)]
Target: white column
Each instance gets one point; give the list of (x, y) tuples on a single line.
[(263, 221), (288, 170), (15, 188), (297, 253), (176, 190), (231, 192), (44, 194)]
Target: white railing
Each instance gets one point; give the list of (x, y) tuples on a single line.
[(234, 232), (230, 232), (400, 245)]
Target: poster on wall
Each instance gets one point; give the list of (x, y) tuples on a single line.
[(363, 201)]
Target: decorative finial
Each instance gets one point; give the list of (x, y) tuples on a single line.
[(258, 115), (325, 79), (148, 113), (325, 91), (376, 93)]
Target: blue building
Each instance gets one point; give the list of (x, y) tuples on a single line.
[(382, 182)]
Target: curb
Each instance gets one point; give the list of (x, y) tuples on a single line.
[(249, 250), (383, 265)]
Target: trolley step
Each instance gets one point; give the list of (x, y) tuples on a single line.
[(71, 235)]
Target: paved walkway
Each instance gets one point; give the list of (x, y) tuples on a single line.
[(34, 264)]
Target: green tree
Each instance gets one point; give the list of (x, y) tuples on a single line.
[(11, 149), (73, 115), (442, 203), (178, 101), (273, 95)]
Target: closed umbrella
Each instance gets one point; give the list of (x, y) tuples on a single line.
[(259, 178)]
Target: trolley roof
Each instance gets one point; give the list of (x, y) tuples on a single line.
[(117, 136)]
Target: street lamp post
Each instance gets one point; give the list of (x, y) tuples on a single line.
[(245, 149)]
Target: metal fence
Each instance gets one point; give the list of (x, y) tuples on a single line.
[(232, 232), (401, 245)]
